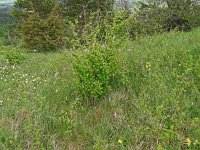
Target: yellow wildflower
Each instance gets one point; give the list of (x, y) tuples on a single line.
[(188, 141), (120, 141), (148, 65)]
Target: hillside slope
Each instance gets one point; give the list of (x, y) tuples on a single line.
[(158, 109)]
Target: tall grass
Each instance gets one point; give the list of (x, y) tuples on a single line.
[(158, 109)]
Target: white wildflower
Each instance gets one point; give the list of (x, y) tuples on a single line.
[(1, 103)]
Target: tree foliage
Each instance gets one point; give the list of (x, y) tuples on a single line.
[(34, 18), (86, 20), (24, 8), (43, 33), (170, 14)]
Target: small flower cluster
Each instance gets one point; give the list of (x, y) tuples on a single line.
[(148, 65), (14, 82), (188, 142)]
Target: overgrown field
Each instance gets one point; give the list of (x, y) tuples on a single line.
[(159, 107)]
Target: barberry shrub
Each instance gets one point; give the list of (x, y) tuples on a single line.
[(97, 71), (43, 33)]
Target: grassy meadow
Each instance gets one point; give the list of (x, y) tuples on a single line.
[(158, 109)]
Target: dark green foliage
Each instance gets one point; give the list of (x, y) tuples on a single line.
[(174, 21), (83, 8), (176, 14), (24, 8), (43, 33), (149, 21)]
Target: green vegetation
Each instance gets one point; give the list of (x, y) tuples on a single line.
[(43, 34), (157, 109), (82, 21), (96, 69), (79, 74), (3, 30), (14, 57)]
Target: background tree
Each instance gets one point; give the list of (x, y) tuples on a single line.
[(22, 8), (170, 14), (76, 8), (43, 33)]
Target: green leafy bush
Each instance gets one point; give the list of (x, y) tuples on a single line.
[(97, 70)]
